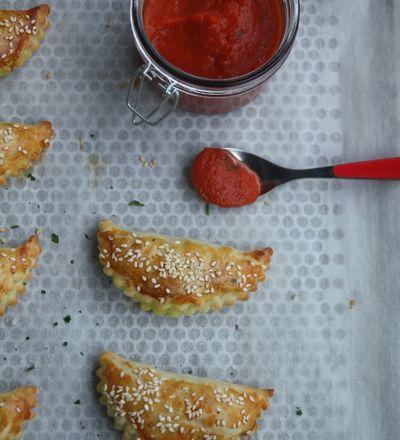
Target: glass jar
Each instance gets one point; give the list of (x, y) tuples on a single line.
[(191, 93)]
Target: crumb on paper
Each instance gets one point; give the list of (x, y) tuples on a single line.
[(123, 85), (81, 144), (109, 24), (237, 328), (143, 161), (152, 163), (3, 230), (352, 303), (292, 297), (267, 202), (49, 75)]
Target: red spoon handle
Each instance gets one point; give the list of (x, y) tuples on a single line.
[(372, 169)]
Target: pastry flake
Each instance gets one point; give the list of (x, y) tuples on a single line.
[(150, 404), (21, 32), (15, 270), (178, 277), (20, 145), (15, 409)]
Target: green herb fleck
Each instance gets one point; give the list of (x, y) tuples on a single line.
[(27, 338), (92, 135), (65, 343), (54, 238), (77, 402), (81, 354), (14, 226), (87, 237), (31, 177), (30, 368), (136, 203), (207, 208), (55, 324), (299, 412), (43, 292), (67, 319), (72, 261)]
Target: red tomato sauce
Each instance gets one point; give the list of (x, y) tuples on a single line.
[(219, 178), (216, 39)]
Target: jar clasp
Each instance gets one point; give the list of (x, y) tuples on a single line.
[(145, 74)]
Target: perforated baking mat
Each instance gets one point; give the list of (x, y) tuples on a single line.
[(323, 331)]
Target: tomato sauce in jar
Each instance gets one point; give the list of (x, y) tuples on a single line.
[(215, 39)]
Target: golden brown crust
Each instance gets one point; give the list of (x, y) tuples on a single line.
[(15, 270), (21, 32), (20, 145), (15, 409), (178, 276), (150, 404)]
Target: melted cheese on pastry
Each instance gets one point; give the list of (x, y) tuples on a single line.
[(176, 277), (149, 404)]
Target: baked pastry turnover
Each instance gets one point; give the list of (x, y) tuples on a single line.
[(15, 409), (20, 145), (149, 404), (21, 33), (178, 277), (15, 270)]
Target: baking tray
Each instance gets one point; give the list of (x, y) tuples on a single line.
[(314, 331)]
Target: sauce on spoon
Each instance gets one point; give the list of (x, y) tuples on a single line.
[(219, 178)]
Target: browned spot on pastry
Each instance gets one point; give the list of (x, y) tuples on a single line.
[(21, 32), (16, 407), (15, 270)]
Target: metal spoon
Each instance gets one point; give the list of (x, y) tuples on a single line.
[(272, 175)]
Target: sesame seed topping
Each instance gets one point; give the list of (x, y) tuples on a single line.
[(171, 270)]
